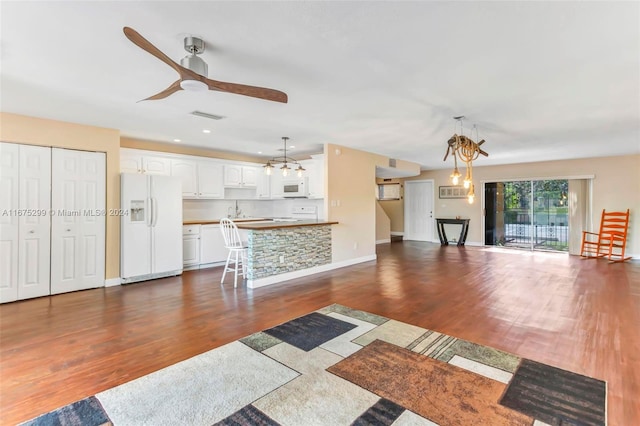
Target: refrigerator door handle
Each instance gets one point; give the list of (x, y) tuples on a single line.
[(149, 212), (154, 211)]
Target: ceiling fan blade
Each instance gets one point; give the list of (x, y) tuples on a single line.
[(145, 44), (175, 86), (242, 89)]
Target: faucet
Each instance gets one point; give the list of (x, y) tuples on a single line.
[(238, 211)]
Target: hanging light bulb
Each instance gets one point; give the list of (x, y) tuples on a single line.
[(455, 176), (285, 170), (268, 168), (467, 178), (299, 170), (471, 195)]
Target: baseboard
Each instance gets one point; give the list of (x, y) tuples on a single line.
[(261, 282), (398, 234), (388, 240), (112, 282)]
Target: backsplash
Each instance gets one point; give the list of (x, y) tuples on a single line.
[(216, 209)]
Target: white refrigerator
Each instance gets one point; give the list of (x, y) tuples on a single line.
[(151, 228)]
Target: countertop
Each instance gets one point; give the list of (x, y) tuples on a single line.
[(217, 221), (277, 225), (257, 223)]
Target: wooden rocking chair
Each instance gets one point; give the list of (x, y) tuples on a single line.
[(611, 241)]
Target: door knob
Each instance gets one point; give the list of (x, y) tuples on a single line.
[(68, 230), (32, 231)]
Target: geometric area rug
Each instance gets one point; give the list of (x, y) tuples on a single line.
[(341, 366)]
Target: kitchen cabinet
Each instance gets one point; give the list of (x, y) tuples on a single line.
[(212, 247), (187, 171), (134, 161), (191, 245), (263, 188), (315, 171), (276, 179), (210, 179), (237, 176)]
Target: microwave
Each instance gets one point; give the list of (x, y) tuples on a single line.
[(296, 187)]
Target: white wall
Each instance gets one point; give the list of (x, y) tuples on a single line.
[(216, 209)]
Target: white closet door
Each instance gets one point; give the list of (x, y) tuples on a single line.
[(35, 224), (78, 224), (9, 204)]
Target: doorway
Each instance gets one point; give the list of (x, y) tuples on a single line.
[(528, 214), (418, 210)]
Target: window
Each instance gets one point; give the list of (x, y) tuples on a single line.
[(388, 191)]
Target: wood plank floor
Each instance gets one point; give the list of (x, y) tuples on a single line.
[(579, 315)]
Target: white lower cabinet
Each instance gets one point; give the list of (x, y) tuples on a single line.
[(212, 248), (191, 245)]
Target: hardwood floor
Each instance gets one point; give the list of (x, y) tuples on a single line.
[(579, 315)]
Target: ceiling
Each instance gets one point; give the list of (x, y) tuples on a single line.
[(540, 80)]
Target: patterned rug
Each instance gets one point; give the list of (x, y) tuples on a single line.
[(340, 366)]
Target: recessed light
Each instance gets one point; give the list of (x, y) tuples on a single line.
[(292, 146), (259, 152), (177, 140), (206, 131)]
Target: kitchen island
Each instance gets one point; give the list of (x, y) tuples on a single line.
[(280, 251)]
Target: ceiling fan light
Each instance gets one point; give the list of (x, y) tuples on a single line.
[(194, 85), (268, 168), (285, 170)]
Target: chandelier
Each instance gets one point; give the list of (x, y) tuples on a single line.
[(285, 161), (467, 151)]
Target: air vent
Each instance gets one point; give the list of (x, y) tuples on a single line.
[(392, 162), (207, 115)]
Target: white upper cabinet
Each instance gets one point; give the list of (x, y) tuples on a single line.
[(240, 176), (134, 161), (187, 171), (210, 180), (315, 171), (277, 190), (263, 189)]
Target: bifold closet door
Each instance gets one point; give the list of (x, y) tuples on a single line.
[(25, 185), (78, 220)]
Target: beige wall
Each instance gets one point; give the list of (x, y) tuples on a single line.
[(351, 182), (43, 132), (616, 186), (187, 150), (394, 208), (383, 224)]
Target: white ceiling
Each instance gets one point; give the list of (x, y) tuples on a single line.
[(541, 80)]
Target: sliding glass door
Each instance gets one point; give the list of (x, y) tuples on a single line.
[(531, 215)]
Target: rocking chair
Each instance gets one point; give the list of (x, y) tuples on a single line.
[(611, 241)]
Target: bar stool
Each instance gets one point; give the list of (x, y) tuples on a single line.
[(237, 250)]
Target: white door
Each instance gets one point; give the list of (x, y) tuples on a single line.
[(78, 221), (9, 223), (232, 175), (190, 250), (418, 210), (135, 228), (35, 224), (166, 224)]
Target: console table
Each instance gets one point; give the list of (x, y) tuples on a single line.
[(464, 224)]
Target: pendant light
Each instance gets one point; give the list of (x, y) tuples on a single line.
[(468, 151), (285, 161)]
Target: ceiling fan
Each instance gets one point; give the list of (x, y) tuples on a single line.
[(193, 70)]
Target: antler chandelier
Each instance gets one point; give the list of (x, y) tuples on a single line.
[(466, 150)]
